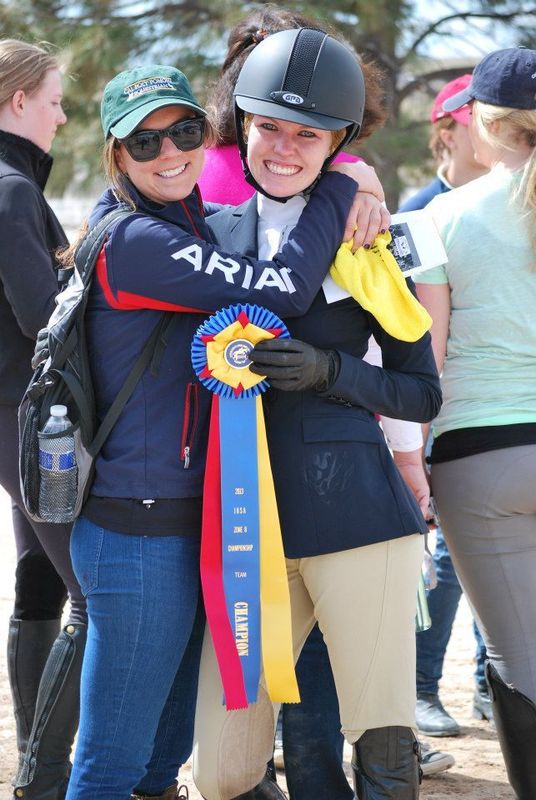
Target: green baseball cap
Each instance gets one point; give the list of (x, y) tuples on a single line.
[(135, 93)]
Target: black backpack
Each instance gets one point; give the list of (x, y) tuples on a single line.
[(65, 377)]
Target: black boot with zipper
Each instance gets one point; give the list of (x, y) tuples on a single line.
[(45, 769), (28, 647)]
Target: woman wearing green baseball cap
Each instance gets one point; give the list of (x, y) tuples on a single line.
[(135, 548)]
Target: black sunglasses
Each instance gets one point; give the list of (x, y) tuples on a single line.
[(185, 135)]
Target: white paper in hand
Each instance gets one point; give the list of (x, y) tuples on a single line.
[(416, 246)]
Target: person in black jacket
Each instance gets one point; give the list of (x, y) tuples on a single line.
[(38, 649), (350, 526)]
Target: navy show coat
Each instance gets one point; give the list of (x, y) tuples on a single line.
[(336, 483)]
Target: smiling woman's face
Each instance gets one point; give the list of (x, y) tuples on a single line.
[(173, 173), (284, 157)]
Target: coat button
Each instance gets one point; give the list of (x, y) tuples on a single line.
[(70, 629)]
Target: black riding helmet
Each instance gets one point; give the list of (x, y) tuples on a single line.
[(304, 76)]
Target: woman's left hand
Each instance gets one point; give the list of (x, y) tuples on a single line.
[(367, 218), (294, 366)]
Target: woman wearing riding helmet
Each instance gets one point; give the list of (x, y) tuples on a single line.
[(351, 530), (135, 548)]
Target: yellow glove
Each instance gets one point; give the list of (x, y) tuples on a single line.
[(375, 280)]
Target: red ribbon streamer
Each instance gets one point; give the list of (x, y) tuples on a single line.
[(212, 573)]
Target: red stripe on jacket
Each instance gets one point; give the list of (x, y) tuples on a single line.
[(128, 301)]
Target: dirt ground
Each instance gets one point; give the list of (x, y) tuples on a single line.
[(477, 775)]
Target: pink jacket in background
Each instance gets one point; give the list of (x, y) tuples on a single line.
[(222, 179)]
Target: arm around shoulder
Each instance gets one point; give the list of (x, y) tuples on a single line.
[(188, 273)]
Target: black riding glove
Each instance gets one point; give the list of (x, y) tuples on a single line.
[(41, 348), (294, 366)]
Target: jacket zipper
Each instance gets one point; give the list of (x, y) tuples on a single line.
[(189, 423), (189, 215)]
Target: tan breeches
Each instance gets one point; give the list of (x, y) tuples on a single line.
[(364, 600)]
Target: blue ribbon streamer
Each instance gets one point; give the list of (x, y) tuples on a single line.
[(240, 533)]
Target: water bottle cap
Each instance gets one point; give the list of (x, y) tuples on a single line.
[(58, 411)]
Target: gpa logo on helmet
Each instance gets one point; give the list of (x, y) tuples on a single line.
[(293, 99)]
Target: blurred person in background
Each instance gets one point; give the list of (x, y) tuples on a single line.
[(484, 337), (452, 148), (44, 660)]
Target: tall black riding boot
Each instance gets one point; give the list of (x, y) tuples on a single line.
[(45, 770), (267, 789), (515, 720), (28, 646), (385, 765)]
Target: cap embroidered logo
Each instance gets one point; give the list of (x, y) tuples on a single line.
[(148, 85)]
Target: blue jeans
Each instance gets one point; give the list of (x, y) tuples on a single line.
[(139, 678), (312, 738), (443, 604)]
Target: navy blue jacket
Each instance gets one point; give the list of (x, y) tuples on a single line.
[(163, 258), (421, 198), (336, 483)]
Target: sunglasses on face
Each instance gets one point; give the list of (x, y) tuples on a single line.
[(185, 135)]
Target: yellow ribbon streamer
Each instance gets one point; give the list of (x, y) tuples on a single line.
[(276, 625), (375, 280)]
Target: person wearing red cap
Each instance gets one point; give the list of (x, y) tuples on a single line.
[(451, 146)]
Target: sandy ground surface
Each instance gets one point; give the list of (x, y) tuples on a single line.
[(477, 775)]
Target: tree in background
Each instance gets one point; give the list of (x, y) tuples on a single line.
[(409, 39)]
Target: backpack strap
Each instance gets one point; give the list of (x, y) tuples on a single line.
[(89, 248), (156, 342), (85, 260), (162, 343)]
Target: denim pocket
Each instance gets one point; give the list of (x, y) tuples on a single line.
[(86, 547)]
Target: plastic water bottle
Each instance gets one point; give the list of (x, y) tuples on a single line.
[(423, 620), (429, 572), (57, 468)]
